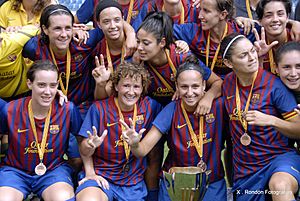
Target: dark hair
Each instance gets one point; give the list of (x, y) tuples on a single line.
[(102, 4), (55, 9), (227, 5), (191, 62), (160, 24), (228, 43), (262, 4), (38, 66), (285, 48), (37, 8), (133, 71)]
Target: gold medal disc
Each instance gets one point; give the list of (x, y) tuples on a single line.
[(245, 139)]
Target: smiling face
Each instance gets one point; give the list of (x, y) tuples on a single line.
[(190, 86), (59, 32), (148, 46), (111, 22), (129, 90), (43, 87), (209, 14), (289, 69), (274, 18)]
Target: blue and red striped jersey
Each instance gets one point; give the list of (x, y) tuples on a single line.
[(101, 49), (157, 88), (193, 34), (182, 152), (22, 150), (271, 97), (109, 158), (2, 113), (81, 83)]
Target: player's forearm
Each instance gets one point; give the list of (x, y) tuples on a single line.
[(215, 89), (85, 149), (88, 165), (290, 129)]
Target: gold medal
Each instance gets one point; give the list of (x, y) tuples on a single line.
[(245, 139), (202, 165), (40, 169), (126, 167)]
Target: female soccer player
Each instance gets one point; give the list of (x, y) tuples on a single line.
[(194, 141), (111, 171), (157, 51), (273, 16), (288, 66), (262, 156), (38, 131)]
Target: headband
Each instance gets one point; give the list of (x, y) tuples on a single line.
[(230, 43), (106, 4), (59, 10)]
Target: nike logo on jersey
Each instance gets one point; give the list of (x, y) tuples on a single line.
[(181, 126), (22, 130), (295, 169), (229, 97), (109, 125)]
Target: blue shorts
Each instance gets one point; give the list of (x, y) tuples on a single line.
[(25, 183), (215, 191), (137, 192), (255, 187)]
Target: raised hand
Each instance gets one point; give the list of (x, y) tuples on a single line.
[(130, 135), (100, 180), (62, 97), (181, 47), (261, 46), (101, 74), (94, 140)]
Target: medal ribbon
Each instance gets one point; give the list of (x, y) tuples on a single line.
[(126, 146), (68, 71), (271, 60), (108, 57), (174, 71), (238, 102), (129, 14), (181, 14), (41, 147), (217, 51), (198, 143), (249, 9)]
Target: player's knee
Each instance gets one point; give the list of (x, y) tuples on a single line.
[(9, 197), (10, 194), (282, 182), (60, 195)]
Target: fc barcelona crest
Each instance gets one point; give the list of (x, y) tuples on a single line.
[(54, 129), (134, 14), (78, 57), (255, 98), (12, 57), (210, 118), (139, 119)]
